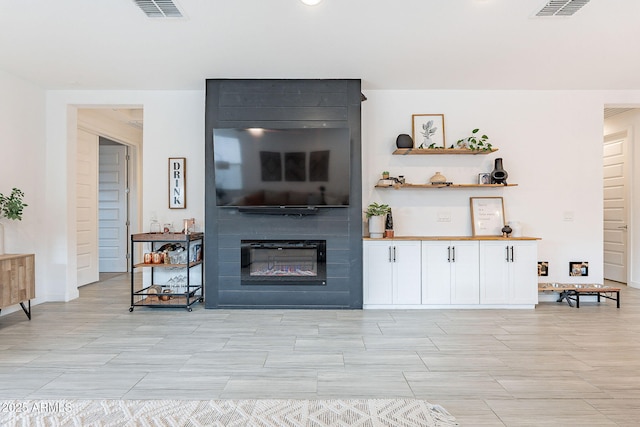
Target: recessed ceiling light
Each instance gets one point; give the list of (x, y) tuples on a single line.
[(311, 2)]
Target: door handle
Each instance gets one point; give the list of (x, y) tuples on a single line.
[(448, 253), (507, 248), (394, 254), (453, 249), (624, 227), (512, 254), (390, 257)]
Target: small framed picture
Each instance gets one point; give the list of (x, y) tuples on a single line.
[(428, 130), (578, 268), (484, 178), (543, 268), (487, 216)]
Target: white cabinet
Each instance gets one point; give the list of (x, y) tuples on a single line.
[(450, 272), (392, 272), (465, 273), (508, 272)]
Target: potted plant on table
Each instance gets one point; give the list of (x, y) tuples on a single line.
[(11, 208), (377, 215)]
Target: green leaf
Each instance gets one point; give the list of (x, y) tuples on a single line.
[(475, 131)]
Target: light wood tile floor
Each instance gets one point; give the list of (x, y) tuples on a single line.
[(554, 365)]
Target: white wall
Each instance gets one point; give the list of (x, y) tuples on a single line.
[(22, 135), (551, 143), (630, 122), (173, 127)]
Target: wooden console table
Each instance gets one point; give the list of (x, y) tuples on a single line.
[(572, 292), (17, 281)]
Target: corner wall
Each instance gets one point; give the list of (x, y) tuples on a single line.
[(22, 136)]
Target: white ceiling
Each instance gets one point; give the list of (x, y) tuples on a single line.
[(389, 44)]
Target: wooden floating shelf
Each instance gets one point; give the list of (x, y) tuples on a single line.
[(399, 186), (432, 151)]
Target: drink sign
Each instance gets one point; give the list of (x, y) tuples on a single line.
[(177, 183)]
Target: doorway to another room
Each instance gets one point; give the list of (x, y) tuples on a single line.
[(108, 181)]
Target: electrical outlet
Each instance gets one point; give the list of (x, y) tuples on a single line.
[(568, 215), (444, 216)]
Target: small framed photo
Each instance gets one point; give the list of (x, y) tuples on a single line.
[(177, 183), (428, 130), (578, 268), (543, 268), (487, 216), (484, 178)]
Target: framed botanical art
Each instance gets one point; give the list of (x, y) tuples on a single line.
[(487, 216), (428, 130)]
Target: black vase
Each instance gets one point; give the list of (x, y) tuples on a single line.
[(404, 141), (498, 174), (389, 222)]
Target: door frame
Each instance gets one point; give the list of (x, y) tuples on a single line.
[(91, 120)]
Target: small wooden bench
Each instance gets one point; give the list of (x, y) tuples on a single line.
[(572, 292)]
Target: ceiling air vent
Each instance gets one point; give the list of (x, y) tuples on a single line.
[(159, 8), (561, 7)]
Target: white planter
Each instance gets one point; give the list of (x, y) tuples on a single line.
[(376, 226)]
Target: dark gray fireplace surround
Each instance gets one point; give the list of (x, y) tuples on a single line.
[(275, 104)]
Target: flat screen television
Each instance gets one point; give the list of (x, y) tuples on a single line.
[(301, 167)]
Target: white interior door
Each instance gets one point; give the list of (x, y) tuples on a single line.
[(615, 207), (86, 208), (113, 208)]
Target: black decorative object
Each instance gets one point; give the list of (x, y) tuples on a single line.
[(388, 225), (506, 231), (404, 141), (498, 174)]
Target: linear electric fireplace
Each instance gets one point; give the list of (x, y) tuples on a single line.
[(283, 262)]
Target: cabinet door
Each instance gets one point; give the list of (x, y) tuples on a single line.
[(523, 279), (436, 272), (494, 272), (378, 273), (406, 272), (465, 277)]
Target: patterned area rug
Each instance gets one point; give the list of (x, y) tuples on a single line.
[(237, 413)]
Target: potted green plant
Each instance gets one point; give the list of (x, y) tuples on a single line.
[(475, 142), (376, 214), (11, 207)]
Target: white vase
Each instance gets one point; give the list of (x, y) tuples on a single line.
[(376, 226), (1, 239)]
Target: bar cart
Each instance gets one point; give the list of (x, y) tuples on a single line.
[(177, 256)]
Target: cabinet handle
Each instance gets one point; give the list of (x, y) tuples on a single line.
[(394, 254), (453, 250), (512, 260), (448, 253), (390, 259), (507, 258)]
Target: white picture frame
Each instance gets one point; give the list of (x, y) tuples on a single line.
[(487, 216), (177, 183), (435, 124)]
